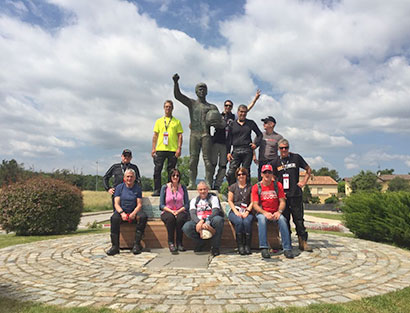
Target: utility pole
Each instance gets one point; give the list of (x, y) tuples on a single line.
[(96, 178)]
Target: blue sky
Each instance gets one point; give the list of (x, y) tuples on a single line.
[(82, 80)]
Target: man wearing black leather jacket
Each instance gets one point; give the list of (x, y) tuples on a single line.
[(117, 171)]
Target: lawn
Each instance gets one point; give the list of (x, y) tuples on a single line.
[(330, 216), (95, 201), (393, 302)]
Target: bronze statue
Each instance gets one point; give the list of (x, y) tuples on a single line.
[(203, 115)]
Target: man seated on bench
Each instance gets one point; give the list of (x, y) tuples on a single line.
[(127, 208), (206, 220), (269, 202)]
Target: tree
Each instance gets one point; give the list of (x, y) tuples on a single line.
[(11, 172), (341, 187), (182, 165), (399, 184), (385, 172), (324, 171), (307, 195), (147, 183), (365, 181)]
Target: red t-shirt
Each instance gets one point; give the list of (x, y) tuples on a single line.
[(269, 199)]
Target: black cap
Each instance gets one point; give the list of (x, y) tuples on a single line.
[(269, 119), (127, 152)]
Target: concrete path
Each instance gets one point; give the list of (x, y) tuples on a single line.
[(75, 271)]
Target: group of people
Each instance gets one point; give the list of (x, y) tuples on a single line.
[(276, 197)]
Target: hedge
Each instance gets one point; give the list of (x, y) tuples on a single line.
[(40, 206), (383, 217)]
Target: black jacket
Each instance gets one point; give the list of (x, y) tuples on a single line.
[(117, 170)]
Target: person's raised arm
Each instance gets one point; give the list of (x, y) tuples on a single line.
[(177, 92), (252, 104)]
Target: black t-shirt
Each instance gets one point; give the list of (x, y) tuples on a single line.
[(241, 195), (291, 165), (221, 134), (240, 135)]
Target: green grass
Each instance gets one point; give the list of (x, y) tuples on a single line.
[(393, 302), (95, 201), (329, 216)]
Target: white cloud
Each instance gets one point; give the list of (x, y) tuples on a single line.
[(101, 78), (318, 162), (352, 161), (375, 158)]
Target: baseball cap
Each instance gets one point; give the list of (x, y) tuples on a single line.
[(127, 152), (269, 119), (267, 167)]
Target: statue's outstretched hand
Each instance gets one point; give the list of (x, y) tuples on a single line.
[(175, 78)]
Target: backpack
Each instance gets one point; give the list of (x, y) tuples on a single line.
[(275, 186)]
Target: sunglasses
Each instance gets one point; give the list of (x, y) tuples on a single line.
[(241, 174), (283, 148), (229, 105), (175, 175), (267, 172)]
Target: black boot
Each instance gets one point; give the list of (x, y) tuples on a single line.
[(248, 241), (115, 246), (137, 248), (239, 242)]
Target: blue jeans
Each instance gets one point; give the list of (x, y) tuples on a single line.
[(217, 222), (242, 225), (263, 231)]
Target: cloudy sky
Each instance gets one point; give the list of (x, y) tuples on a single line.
[(82, 80)]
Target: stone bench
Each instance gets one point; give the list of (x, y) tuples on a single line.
[(156, 236)]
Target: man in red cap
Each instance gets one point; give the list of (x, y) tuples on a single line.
[(269, 202)]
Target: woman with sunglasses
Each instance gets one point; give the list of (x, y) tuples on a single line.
[(239, 200), (174, 205)]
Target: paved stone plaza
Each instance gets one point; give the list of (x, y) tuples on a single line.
[(74, 271)]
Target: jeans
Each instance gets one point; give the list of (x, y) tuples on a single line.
[(159, 160), (217, 222), (263, 234), (242, 225), (294, 206)]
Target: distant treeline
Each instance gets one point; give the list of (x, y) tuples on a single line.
[(11, 172)]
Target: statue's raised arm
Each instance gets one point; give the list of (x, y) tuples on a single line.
[(177, 92)]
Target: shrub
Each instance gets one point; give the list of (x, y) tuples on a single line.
[(315, 200), (379, 216), (40, 206), (332, 199)]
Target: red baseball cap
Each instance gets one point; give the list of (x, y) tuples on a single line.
[(267, 167)]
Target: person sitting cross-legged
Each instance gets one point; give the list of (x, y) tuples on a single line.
[(128, 208), (269, 202), (206, 219)]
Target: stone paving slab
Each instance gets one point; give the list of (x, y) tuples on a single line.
[(75, 271)]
